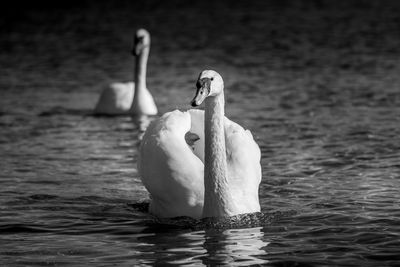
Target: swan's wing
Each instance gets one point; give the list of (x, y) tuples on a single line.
[(244, 168), (169, 170), (116, 99)]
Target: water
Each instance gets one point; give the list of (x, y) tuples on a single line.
[(316, 82)]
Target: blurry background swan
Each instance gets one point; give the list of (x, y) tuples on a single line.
[(131, 98)]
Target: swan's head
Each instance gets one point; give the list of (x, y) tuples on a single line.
[(141, 41), (209, 83)]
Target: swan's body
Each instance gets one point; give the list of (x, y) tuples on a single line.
[(216, 175), (116, 99), (130, 98)]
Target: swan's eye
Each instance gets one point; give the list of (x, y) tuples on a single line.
[(212, 78)]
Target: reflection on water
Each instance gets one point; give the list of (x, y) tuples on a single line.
[(235, 247), (231, 247)]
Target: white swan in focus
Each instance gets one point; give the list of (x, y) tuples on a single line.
[(130, 98), (199, 163)]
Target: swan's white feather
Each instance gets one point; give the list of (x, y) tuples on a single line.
[(145, 104), (173, 172), (169, 170), (116, 99), (244, 168)]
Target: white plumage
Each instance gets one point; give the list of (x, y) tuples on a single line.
[(130, 98), (202, 176)]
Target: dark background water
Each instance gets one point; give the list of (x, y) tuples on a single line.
[(317, 82)]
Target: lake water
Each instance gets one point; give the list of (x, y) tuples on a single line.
[(317, 83)]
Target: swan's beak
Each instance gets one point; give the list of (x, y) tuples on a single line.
[(137, 45), (137, 49), (203, 90)]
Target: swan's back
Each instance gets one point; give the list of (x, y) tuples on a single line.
[(116, 99)]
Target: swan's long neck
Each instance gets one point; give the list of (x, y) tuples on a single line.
[(217, 200), (140, 77)]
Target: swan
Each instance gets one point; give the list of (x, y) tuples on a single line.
[(130, 98), (199, 163)]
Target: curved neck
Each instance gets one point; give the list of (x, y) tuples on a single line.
[(217, 200), (140, 74)]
